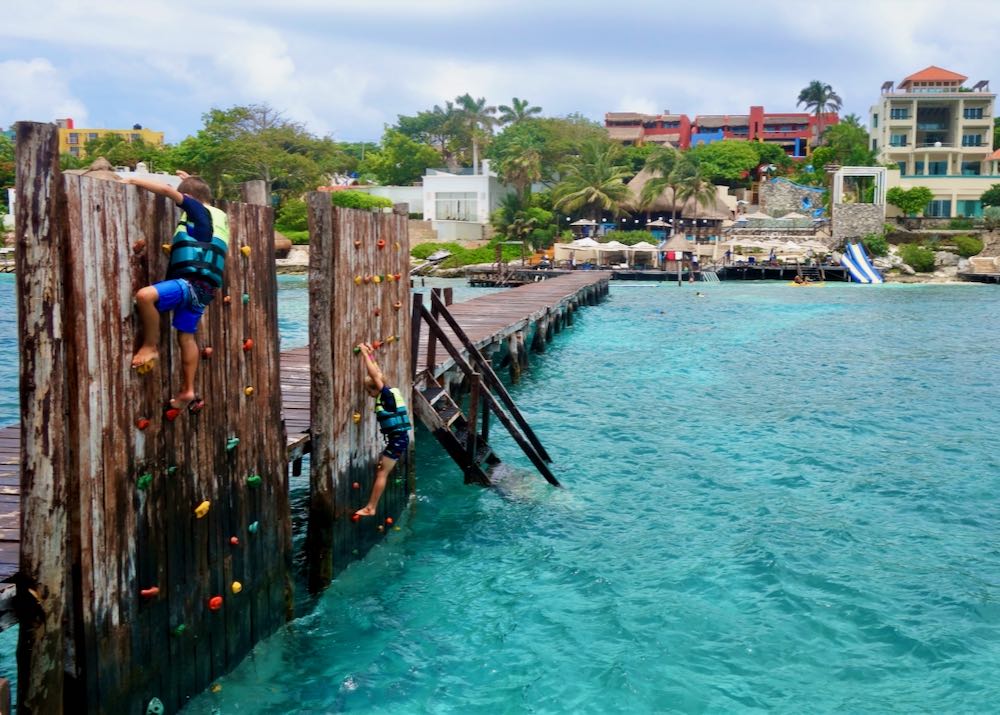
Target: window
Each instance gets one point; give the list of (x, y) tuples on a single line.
[(970, 168), (902, 166), (972, 140), (135, 137), (456, 206), (874, 121), (897, 140), (874, 144), (937, 168), (918, 168), (969, 208), (938, 208), (91, 136), (74, 150), (899, 113), (972, 113), (74, 138)]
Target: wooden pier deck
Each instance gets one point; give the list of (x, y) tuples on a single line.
[(486, 319)]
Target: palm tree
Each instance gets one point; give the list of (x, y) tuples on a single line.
[(819, 97), (518, 111), (478, 120), (593, 182), (521, 169), (670, 169)]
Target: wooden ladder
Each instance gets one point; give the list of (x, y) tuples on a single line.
[(465, 437)]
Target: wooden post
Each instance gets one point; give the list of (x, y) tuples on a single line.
[(485, 429), (431, 341), (418, 299), (449, 295), (41, 588), (515, 359), (254, 192), (474, 386)]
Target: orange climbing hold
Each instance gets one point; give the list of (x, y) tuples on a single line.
[(139, 245), (151, 592), (388, 520), (142, 423), (380, 243), (397, 305), (376, 344), (357, 244), (355, 486), (227, 299), (215, 603), (248, 345)]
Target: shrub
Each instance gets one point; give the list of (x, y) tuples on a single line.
[(917, 257), (909, 201), (461, 256), (293, 216), (630, 238), (298, 238), (967, 245), (876, 244), (359, 200), (991, 217), (960, 224)]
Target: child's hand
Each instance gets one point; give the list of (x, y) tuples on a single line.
[(365, 349)]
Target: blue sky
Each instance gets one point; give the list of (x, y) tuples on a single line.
[(346, 69)]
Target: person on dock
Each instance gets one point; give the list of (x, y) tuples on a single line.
[(197, 260), (393, 420)]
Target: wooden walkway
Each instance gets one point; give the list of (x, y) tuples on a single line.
[(486, 319)]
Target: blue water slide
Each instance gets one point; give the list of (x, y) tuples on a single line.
[(860, 268)]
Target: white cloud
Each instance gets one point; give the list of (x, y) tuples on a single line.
[(34, 90)]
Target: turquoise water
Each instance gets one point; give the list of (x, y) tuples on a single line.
[(777, 499)]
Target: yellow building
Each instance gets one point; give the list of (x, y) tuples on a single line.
[(73, 140)]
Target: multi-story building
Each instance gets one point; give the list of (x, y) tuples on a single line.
[(73, 140), (793, 132), (939, 134)]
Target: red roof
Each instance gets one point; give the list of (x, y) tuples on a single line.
[(934, 74), (994, 156)]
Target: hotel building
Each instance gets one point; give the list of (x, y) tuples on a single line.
[(73, 140)]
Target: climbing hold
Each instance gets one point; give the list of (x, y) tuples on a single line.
[(398, 275), (246, 298), (139, 246), (245, 250), (227, 299), (253, 527), (253, 480), (388, 520), (397, 481), (234, 540), (368, 279), (376, 279), (380, 243), (155, 707), (142, 423), (381, 528), (357, 349), (396, 528), (151, 592), (202, 509), (397, 248), (356, 485), (215, 603), (357, 280), (172, 470), (166, 248), (355, 517), (391, 339), (178, 630), (144, 481), (216, 688), (389, 277), (376, 344), (357, 244), (248, 390), (170, 412), (397, 305), (232, 443), (146, 367), (354, 551), (356, 417), (377, 312), (236, 587), (248, 345), (206, 352), (196, 405)]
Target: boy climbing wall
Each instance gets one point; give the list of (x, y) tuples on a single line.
[(197, 260), (393, 420)]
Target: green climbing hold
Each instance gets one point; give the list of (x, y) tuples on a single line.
[(357, 349), (253, 480), (246, 298), (232, 443), (354, 551), (253, 527), (172, 470), (144, 481), (178, 630)]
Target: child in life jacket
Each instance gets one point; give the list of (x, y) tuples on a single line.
[(393, 420), (197, 260)]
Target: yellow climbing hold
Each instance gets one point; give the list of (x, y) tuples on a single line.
[(237, 586), (248, 390), (202, 509), (216, 688), (389, 278), (357, 280), (166, 248), (356, 417), (245, 250), (376, 279)]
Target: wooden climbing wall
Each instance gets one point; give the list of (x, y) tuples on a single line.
[(133, 480), (359, 291)]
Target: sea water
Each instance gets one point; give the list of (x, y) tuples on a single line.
[(776, 499)]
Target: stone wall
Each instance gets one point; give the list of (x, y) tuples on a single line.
[(778, 197), (857, 220)]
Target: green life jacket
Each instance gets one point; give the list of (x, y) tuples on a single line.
[(392, 422), (191, 258)]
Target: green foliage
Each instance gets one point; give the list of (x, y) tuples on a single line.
[(553, 139), (919, 258), (461, 256), (6, 169), (876, 244), (121, 152), (960, 224), (593, 181), (991, 217), (298, 238), (400, 161), (991, 197), (629, 238), (909, 201), (635, 156), (518, 110), (728, 162), (293, 216), (844, 144), (359, 200), (967, 245)]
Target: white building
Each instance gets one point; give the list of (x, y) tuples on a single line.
[(458, 204), (940, 135)]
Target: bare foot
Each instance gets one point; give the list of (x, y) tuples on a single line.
[(146, 356), (181, 399), (365, 511)]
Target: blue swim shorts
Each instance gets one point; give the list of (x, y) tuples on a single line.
[(178, 295), (397, 445)]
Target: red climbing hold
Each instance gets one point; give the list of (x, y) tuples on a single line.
[(380, 243), (248, 345), (388, 520), (398, 276), (234, 540), (206, 352), (142, 423), (376, 344), (215, 603), (377, 312), (196, 405), (355, 486), (151, 592), (227, 300), (355, 517), (170, 412)]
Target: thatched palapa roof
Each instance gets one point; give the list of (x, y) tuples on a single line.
[(665, 201)]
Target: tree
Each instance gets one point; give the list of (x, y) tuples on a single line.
[(440, 128), (909, 201), (121, 152), (521, 170), (727, 162), (695, 186), (478, 121), (593, 181), (401, 161), (670, 170), (517, 111), (991, 197), (553, 138), (819, 97)]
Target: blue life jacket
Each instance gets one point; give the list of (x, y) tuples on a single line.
[(392, 422), (191, 258)]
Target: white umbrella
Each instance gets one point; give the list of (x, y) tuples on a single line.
[(584, 222), (613, 246), (659, 223), (643, 246), (584, 243)]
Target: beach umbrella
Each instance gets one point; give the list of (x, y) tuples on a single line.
[(584, 222), (659, 223)]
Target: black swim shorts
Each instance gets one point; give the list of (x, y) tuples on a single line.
[(397, 445)]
